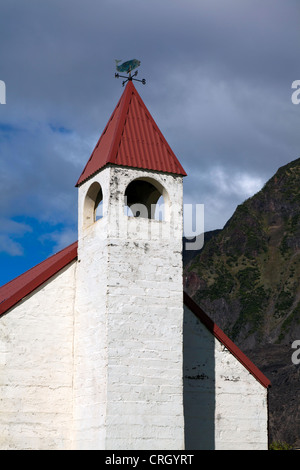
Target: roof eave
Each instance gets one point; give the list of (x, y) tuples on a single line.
[(227, 342)]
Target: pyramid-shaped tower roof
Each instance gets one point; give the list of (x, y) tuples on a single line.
[(132, 138)]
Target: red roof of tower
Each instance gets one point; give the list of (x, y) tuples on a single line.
[(15, 290), (132, 138)]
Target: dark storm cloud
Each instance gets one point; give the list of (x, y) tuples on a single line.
[(219, 77)]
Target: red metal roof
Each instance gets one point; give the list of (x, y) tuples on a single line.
[(15, 290), (132, 138), (221, 336)]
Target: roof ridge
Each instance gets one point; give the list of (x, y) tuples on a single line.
[(154, 125), (123, 111), (98, 142)]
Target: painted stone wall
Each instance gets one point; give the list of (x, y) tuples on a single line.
[(225, 407), (135, 310), (36, 367), (94, 358)]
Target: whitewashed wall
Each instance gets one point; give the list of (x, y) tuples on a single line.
[(93, 359), (36, 367), (225, 407), (129, 293)]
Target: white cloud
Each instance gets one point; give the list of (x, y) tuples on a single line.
[(10, 231), (61, 239), (221, 189), (10, 246), (228, 183)]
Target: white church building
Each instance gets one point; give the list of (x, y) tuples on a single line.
[(100, 348)]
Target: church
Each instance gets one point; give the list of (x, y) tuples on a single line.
[(100, 348)]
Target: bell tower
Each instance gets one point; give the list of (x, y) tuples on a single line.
[(128, 382)]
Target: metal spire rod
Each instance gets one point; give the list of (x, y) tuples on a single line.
[(130, 78)]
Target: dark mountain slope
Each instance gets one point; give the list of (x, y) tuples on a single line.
[(247, 278)]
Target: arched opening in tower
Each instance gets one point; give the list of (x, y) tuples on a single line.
[(144, 199)]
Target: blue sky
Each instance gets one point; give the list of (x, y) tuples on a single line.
[(219, 77)]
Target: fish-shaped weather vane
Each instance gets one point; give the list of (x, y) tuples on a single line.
[(128, 67)]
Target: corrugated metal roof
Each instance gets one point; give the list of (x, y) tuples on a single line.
[(132, 138), (15, 290)]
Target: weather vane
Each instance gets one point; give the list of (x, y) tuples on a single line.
[(127, 67)]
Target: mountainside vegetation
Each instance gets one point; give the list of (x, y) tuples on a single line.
[(247, 278)]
